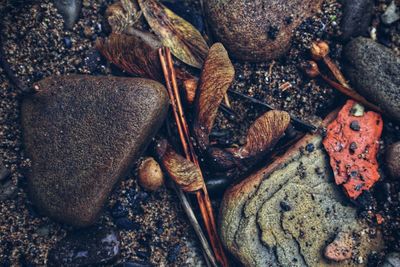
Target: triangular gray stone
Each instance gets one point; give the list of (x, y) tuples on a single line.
[(82, 134)]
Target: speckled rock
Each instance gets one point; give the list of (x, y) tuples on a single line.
[(89, 247), (287, 213), (392, 158), (257, 30), (82, 134), (357, 16), (373, 71), (69, 10)]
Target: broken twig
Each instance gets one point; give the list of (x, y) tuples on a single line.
[(183, 129), (297, 122)]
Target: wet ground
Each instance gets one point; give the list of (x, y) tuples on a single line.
[(37, 46)]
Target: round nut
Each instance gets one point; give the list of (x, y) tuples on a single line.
[(151, 176)]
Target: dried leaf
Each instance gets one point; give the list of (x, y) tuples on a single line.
[(216, 77), (122, 15), (181, 170), (136, 53), (263, 134), (352, 144), (185, 42)]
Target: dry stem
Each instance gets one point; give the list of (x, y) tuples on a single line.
[(183, 129)]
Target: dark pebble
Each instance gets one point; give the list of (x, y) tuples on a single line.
[(69, 10), (285, 206), (92, 246), (143, 254), (119, 210), (217, 186), (356, 19), (355, 126), (125, 224), (352, 147), (173, 253), (67, 42), (92, 60), (310, 147), (7, 190), (4, 173)]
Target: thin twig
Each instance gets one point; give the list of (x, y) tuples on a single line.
[(183, 129), (296, 122), (196, 226), (351, 93)]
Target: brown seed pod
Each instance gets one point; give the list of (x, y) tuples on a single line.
[(263, 134), (216, 77), (135, 53), (150, 175), (185, 42), (181, 170)]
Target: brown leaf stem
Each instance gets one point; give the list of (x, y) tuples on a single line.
[(183, 129)]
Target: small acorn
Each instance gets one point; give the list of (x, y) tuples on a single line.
[(150, 174)]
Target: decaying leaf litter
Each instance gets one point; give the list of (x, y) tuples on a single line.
[(221, 114)]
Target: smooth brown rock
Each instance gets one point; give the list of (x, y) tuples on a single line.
[(82, 134), (286, 213), (257, 30)]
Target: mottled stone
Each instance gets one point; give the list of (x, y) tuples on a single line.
[(392, 158), (89, 247), (286, 213), (257, 30), (82, 134), (357, 16), (373, 70)]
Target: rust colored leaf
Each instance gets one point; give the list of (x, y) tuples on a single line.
[(185, 42), (135, 53), (181, 170), (352, 144), (216, 77)]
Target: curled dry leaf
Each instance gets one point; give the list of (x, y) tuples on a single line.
[(216, 77), (185, 42), (352, 144), (123, 15), (263, 134), (135, 53), (181, 170)]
